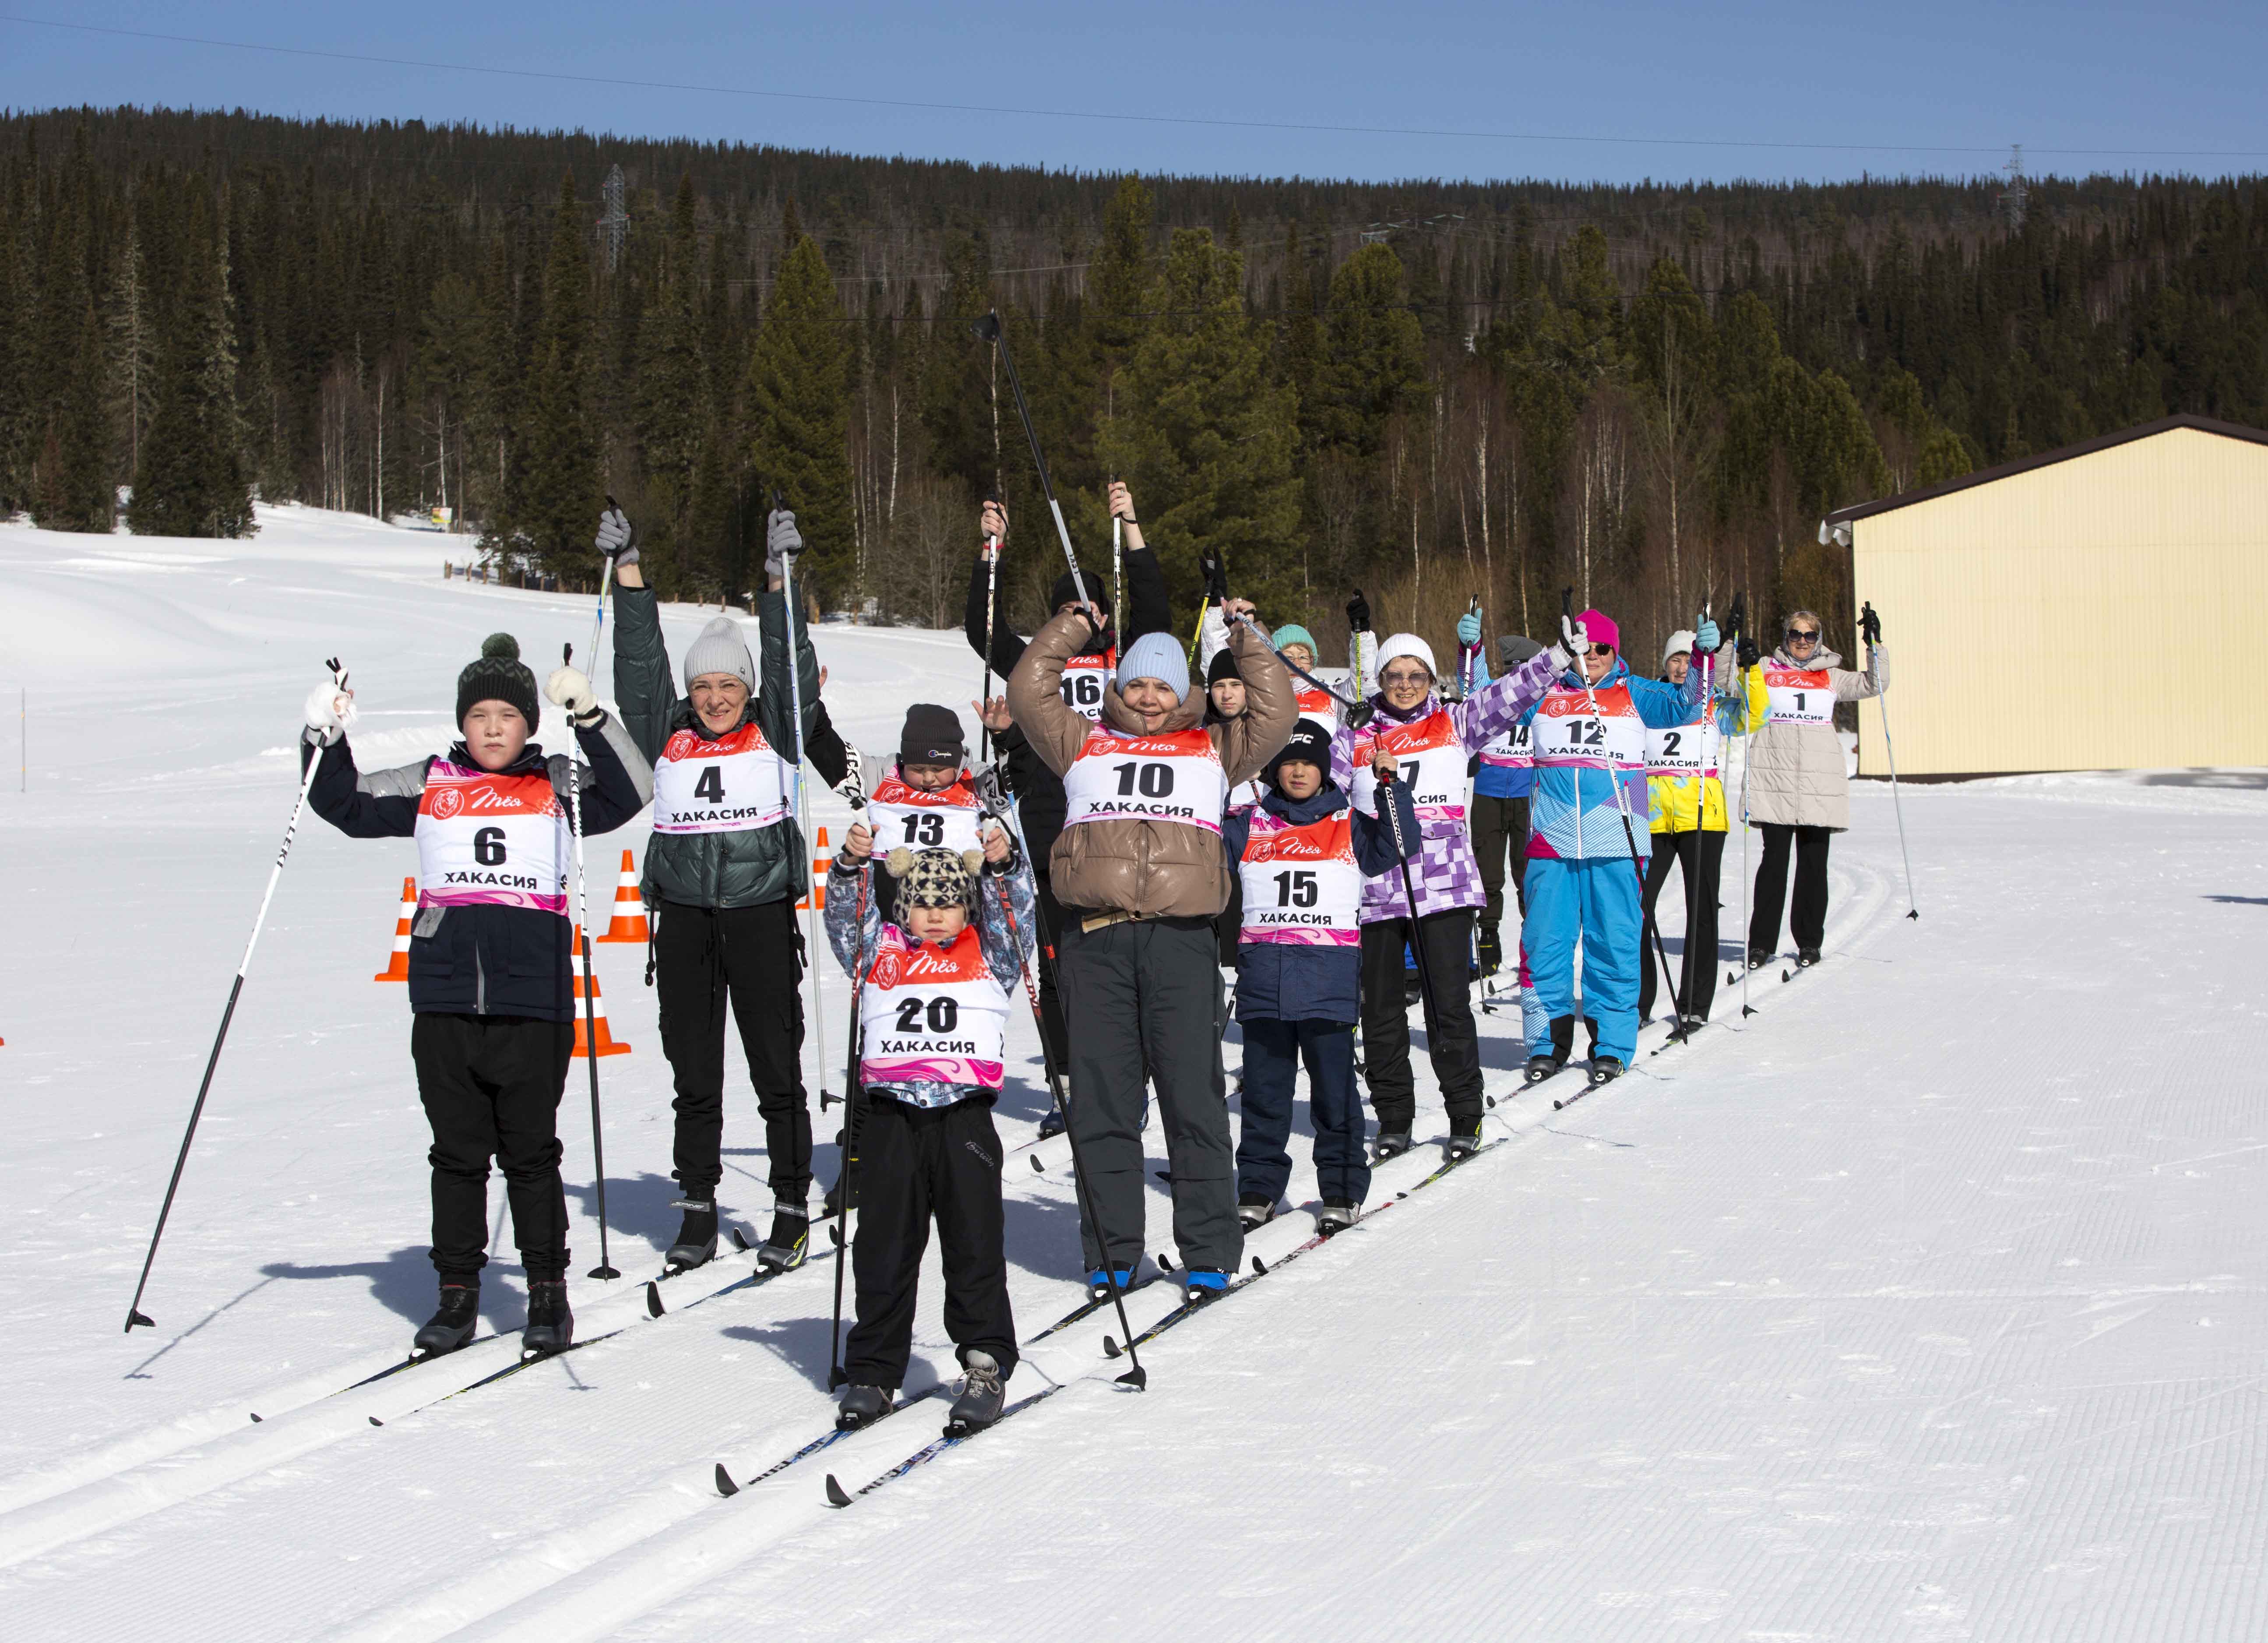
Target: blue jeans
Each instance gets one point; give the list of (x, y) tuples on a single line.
[(1272, 1053)]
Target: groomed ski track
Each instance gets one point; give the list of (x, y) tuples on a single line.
[(1816, 1326)]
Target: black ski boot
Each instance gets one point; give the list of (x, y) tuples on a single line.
[(982, 1394), (1254, 1212), (1336, 1215), (1759, 957), (1051, 1124), (1463, 1142), (453, 1325), (1492, 950), (1540, 1066), (790, 1237), (861, 1406), (1390, 1144), (1806, 957), (1604, 1070), (696, 1234), (550, 1321)]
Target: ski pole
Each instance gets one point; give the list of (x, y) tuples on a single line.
[(1117, 573), (802, 815), (134, 1314), (1409, 894), (1693, 891), (992, 608), (1295, 666), (599, 620), (1748, 757), (606, 1267), (1136, 1377), (1866, 618), (853, 1105), (1579, 641), (989, 329)]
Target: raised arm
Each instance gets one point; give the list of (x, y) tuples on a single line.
[(1007, 646), (1495, 708), (1055, 731), (1271, 707), (381, 805), (775, 707)]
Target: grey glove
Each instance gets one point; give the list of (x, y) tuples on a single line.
[(782, 541), (617, 538)]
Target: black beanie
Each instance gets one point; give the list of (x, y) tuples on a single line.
[(1065, 592), (1310, 744), (932, 736), (1224, 666), (499, 675)]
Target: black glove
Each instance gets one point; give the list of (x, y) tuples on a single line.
[(1870, 625), (1216, 577), (1357, 610), (1745, 651)]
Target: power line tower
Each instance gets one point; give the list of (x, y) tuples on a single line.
[(2013, 196), (613, 221)]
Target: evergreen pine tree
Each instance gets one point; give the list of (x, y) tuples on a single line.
[(799, 411), (1374, 351), (75, 493), (672, 397), (559, 492), (191, 481)]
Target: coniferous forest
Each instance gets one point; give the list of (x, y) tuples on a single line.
[(1431, 390)]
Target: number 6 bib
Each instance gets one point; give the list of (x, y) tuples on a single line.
[(726, 786), (1175, 777)]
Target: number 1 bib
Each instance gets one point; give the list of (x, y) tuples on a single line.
[(729, 785), (1173, 776), (1800, 696)]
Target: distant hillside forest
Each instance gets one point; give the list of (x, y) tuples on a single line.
[(1431, 390)]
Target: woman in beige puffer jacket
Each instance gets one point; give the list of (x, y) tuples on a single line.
[(1797, 788)]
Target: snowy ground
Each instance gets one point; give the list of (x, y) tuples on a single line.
[(1925, 1305)]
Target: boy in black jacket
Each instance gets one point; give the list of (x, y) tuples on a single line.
[(489, 983)]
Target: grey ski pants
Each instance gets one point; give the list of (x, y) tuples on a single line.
[(1146, 995)]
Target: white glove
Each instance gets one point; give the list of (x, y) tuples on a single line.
[(1561, 661), (568, 687), (330, 713), (782, 541), (617, 538)]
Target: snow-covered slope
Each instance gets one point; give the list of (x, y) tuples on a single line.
[(1925, 1303)]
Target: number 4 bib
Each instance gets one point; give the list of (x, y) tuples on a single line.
[(728, 784)]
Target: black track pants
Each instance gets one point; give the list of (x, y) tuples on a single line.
[(1701, 856), (703, 957), (490, 1085), (1453, 1043), (1500, 828), (1807, 920), (916, 1165)]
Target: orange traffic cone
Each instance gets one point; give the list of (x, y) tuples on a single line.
[(397, 968), (609, 1044), (817, 895), (630, 907)]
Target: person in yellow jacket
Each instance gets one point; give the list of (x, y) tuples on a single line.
[(1685, 804)]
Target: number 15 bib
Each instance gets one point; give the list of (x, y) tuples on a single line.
[(726, 785)]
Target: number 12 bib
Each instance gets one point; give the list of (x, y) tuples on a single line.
[(729, 785), (1173, 776), (1567, 732)]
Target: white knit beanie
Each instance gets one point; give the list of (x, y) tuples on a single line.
[(1407, 645), (721, 649), (1681, 640)]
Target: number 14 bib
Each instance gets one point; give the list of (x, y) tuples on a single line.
[(1173, 776), (726, 786)]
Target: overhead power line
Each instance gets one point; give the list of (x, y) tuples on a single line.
[(993, 111)]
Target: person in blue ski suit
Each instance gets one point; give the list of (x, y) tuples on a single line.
[(1584, 868)]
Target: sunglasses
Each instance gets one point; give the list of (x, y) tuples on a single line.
[(1406, 681), (1798, 635), (1602, 649)]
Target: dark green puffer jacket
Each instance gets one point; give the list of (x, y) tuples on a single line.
[(743, 869)]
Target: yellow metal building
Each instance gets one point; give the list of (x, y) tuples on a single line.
[(2101, 607)]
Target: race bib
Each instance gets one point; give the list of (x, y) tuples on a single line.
[(1678, 751), (1511, 749), (948, 819), (490, 840), (1566, 732), (1432, 763), (1800, 696), (1321, 706), (1243, 796), (1175, 777), (933, 1015), (1084, 678), (1302, 886), (727, 785)]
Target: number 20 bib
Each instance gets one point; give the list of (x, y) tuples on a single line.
[(490, 840), (1175, 777), (1800, 696), (946, 820), (933, 1015), (726, 786)]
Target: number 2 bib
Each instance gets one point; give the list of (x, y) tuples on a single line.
[(903, 815), (1302, 886), (1800, 696), (1675, 752), (1173, 776), (933, 1015), (728, 784), (490, 840)]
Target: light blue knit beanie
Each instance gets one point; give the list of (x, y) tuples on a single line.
[(1156, 656)]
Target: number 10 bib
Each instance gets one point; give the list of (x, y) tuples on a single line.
[(726, 785), (1173, 776)]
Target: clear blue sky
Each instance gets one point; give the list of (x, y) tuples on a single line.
[(2172, 86)]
